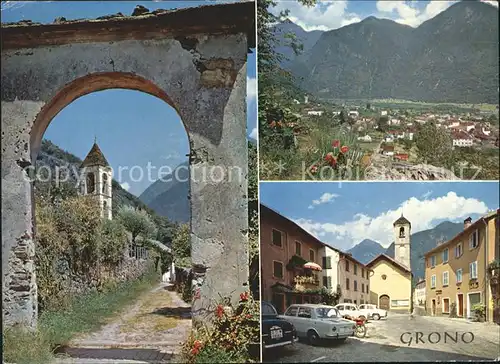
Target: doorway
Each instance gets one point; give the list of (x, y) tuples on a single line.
[(460, 305), (279, 302), (433, 307), (472, 299), (384, 302)]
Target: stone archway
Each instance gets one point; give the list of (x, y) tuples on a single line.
[(384, 302), (195, 60)]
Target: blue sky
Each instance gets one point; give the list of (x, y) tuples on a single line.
[(327, 15), (344, 214), (121, 119)]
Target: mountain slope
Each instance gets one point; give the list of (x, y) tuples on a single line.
[(169, 196), (306, 39), (366, 250), (450, 58)]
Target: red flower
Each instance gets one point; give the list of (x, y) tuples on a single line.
[(244, 296), (336, 143), (219, 311), (273, 124), (329, 157), (249, 316), (196, 348), (314, 169), (195, 351), (344, 149), (333, 162)]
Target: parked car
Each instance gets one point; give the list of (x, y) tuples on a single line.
[(350, 309), (316, 322), (276, 331), (372, 311)]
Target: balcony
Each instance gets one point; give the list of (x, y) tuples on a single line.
[(303, 283)]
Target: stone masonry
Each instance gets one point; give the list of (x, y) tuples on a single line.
[(195, 60)]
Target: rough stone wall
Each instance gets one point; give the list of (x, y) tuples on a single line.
[(205, 80)]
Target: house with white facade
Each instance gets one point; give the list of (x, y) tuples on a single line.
[(383, 113), (462, 139), (315, 113), (365, 138), (353, 114), (394, 122), (419, 293)]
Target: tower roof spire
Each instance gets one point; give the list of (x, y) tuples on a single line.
[(95, 157)]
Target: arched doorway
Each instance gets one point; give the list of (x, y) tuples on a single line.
[(199, 69), (384, 302)]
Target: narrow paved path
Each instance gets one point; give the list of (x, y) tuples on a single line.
[(150, 330)]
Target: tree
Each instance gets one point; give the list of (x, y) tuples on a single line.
[(113, 242), (181, 246), (137, 222), (382, 123), (435, 146)]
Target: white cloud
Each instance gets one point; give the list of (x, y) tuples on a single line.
[(325, 198), (253, 134), (125, 186), (326, 15), (251, 88), (422, 214), (408, 14)]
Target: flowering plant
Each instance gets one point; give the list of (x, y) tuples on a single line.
[(233, 336), (338, 156)]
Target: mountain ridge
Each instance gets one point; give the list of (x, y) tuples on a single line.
[(452, 57)]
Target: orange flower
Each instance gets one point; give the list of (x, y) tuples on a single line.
[(344, 149)]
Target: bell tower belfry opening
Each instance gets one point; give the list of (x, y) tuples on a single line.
[(95, 179)]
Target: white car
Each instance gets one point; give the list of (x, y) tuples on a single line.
[(350, 309), (372, 311), (316, 322)]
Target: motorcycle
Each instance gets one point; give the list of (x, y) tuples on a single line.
[(360, 330)]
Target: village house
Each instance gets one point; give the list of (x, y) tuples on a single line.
[(456, 271), (388, 150), (383, 112), (285, 247), (365, 138), (461, 138), (394, 122), (389, 138), (353, 114), (315, 112), (354, 280), (467, 125), (419, 293), (401, 156), (390, 281)]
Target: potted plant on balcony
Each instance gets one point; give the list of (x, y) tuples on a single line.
[(494, 269)]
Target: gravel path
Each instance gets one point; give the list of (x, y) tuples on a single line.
[(150, 330)]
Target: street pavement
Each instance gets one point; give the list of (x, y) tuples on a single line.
[(388, 340)]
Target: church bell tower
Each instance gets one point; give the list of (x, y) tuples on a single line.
[(402, 231), (97, 175)]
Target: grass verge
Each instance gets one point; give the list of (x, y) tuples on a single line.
[(86, 313)]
